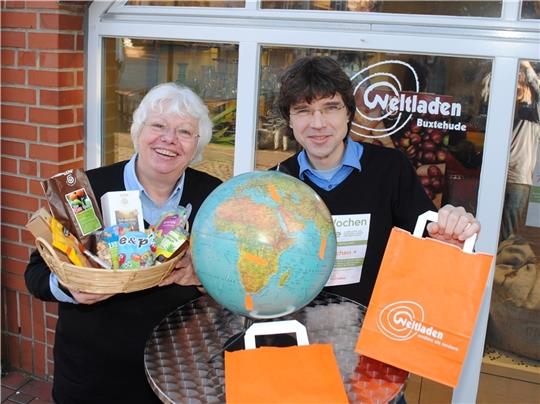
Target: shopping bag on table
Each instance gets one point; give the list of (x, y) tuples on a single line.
[(424, 305), (296, 374)]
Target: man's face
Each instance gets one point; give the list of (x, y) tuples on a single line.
[(320, 127)]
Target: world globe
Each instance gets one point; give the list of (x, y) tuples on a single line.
[(263, 244)]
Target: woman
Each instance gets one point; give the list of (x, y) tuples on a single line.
[(100, 339)]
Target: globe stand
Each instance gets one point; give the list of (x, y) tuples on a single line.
[(271, 333)]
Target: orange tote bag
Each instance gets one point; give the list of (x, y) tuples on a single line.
[(425, 304)]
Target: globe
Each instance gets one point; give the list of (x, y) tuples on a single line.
[(263, 244)]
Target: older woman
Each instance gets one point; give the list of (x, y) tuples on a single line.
[(100, 339)]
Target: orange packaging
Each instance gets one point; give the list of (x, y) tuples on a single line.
[(297, 374), (424, 306)]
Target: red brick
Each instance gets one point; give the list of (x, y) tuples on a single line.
[(51, 116), (13, 76), (26, 58), (12, 307), (28, 239), (61, 135), (61, 98), (61, 60), (79, 114), (13, 250), (14, 351), (80, 78), (40, 4), (50, 337), (19, 131), (14, 217), (15, 201), (13, 39), (35, 188), (50, 153), (10, 233), (14, 4), (18, 20), (16, 94), (13, 148), (51, 309), (79, 150), (47, 170), (39, 319), (79, 42), (14, 183), (16, 266), (28, 167), (37, 40), (44, 389), (13, 113), (8, 57), (61, 22), (26, 355), (50, 322), (50, 78), (9, 165), (25, 314)]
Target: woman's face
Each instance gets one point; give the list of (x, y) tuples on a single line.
[(167, 144)]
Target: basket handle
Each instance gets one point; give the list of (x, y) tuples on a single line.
[(48, 254)]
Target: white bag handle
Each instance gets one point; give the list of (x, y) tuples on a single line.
[(276, 327), (432, 217)]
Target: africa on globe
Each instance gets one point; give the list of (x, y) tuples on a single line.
[(263, 244)]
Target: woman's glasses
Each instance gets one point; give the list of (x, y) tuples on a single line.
[(162, 129)]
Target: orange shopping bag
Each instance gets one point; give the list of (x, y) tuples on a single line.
[(296, 374), (424, 305)]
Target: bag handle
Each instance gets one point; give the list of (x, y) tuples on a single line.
[(276, 327), (432, 217)]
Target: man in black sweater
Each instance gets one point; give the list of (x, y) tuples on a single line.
[(373, 186)]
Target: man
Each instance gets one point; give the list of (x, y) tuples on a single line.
[(368, 189)]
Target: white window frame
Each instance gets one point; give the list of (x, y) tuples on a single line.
[(504, 40)]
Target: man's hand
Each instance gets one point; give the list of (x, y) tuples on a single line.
[(183, 273), (88, 298), (454, 225)]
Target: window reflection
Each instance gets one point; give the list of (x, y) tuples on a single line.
[(429, 107), (515, 301), (133, 66), (530, 9), (188, 3), (487, 8)]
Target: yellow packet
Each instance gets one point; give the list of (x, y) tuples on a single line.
[(66, 242)]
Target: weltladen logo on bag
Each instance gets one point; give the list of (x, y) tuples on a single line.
[(404, 320)]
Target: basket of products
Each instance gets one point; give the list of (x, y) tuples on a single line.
[(108, 254)]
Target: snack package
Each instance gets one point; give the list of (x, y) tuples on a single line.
[(73, 204), (107, 244), (135, 250), (123, 207), (66, 242), (171, 220), (171, 244)]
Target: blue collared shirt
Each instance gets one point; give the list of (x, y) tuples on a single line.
[(151, 213), (349, 162)]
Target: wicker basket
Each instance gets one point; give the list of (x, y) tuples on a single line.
[(95, 280)]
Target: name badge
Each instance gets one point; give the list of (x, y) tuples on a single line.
[(352, 233)]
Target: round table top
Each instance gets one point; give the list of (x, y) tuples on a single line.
[(184, 358)]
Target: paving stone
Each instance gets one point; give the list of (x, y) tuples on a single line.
[(38, 388), (20, 398), (6, 392), (14, 380)]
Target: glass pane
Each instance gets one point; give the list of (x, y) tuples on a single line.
[(134, 66), (188, 3), (432, 108), (515, 301), (530, 9), (486, 8)]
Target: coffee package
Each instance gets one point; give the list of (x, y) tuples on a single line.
[(73, 204)]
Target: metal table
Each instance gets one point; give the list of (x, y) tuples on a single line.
[(184, 359)]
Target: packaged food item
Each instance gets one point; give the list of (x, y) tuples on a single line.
[(73, 204), (135, 250), (170, 245), (123, 207), (40, 224), (67, 243), (171, 220), (107, 244)]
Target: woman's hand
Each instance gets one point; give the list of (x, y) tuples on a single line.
[(183, 273), (454, 225), (88, 298)]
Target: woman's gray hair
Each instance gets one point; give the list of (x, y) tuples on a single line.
[(173, 98)]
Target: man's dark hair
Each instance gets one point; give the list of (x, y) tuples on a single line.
[(312, 78)]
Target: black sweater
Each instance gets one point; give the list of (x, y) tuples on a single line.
[(99, 348), (388, 188)]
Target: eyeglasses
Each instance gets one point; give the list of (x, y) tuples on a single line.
[(162, 129), (328, 111)]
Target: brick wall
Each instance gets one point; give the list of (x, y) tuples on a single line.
[(41, 134)]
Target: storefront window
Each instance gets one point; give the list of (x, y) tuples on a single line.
[(134, 66), (530, 9), (486, 8), (432, 108), (515, 300), (188, 3)]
